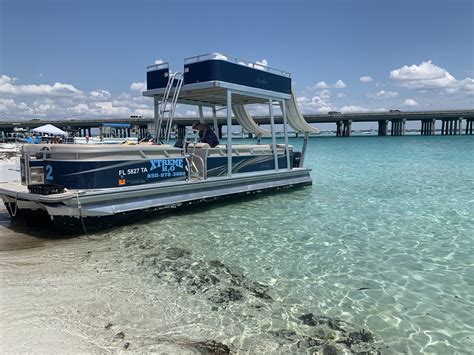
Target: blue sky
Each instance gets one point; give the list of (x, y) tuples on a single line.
[(74, 58)]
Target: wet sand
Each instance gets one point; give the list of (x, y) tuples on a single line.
[(28, 293), (66, 296)]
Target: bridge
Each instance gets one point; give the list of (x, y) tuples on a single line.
[(452, 122)]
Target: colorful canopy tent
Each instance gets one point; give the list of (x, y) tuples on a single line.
[(50, 130)]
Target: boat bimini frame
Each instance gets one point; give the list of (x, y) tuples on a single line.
[(204, 90)]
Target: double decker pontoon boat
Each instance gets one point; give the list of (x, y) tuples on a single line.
[(80, 188)]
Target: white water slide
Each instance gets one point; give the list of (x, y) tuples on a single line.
[(246, 121), (295, 117), (293, 114)]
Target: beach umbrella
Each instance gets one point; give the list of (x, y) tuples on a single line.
[(50, 130)]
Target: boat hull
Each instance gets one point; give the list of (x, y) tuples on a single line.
[(82, 211)]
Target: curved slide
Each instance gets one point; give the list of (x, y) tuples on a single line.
[(246, 121), (295, 117)]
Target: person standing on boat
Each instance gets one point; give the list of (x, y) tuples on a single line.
[(206, 134)]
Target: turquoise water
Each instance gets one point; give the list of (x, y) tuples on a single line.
[(383, 240), (382, 244)]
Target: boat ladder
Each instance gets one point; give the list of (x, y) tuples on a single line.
[(167, 106)]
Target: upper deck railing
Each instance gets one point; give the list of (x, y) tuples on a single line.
[(243, 62), (160, 66)]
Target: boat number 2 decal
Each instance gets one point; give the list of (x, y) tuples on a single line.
[(49, 172)]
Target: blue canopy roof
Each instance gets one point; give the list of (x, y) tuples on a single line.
[(116, 125)]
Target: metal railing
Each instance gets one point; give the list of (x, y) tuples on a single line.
[(167, 107), (157, 66), (243, 62)]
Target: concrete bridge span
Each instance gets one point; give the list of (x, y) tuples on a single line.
[(452, 122)]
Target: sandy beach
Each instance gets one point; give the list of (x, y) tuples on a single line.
[(58, 297)]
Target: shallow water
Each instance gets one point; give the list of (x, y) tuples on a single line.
[(381, 244)]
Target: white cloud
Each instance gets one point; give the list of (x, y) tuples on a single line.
[(341, 94), (410, 102), (337, 85), (356, 108), (8, 106), (80, 108), (321, 85), (321, 102), (429, 76), (190, 113), (353, 108), (159, 61), (100, 94), (140, 86), (60, 101), (382, 94), (8, 86), (467, 85), (366, 79), (424, 71)]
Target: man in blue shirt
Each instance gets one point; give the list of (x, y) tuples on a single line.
[(206, 134)]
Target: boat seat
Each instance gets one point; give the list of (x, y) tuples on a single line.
[(204, 150)]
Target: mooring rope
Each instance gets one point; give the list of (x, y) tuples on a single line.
[(79, 207), (16, 205)]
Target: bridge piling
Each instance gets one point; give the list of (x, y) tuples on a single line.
[(383, 127), (469, 124), (428, 127), (339, 128), (347, 131), (398, 127)]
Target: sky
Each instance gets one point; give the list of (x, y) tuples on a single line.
[(87, 59)]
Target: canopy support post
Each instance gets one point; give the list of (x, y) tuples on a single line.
[(303, 151), (157, 120), (214, 119), (285, 128), (274, 146), (201, 114), (229, 133)]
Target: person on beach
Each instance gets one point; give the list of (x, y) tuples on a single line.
[(206, 134)]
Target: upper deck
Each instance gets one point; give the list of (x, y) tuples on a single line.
[(208, 77)]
